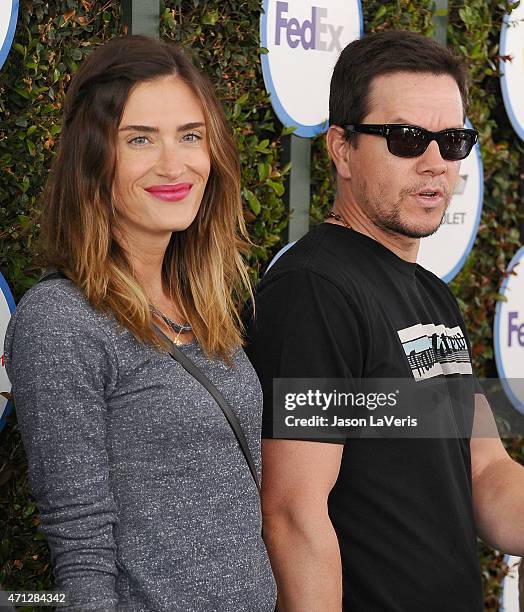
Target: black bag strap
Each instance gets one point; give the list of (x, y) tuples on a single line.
[(231, 417), (51, 273), (198, 375)]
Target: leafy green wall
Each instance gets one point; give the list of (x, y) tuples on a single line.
[(51, 40)]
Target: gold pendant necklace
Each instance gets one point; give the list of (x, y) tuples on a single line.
[(175, 328)]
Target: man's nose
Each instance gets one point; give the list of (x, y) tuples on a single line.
[(431, 161)]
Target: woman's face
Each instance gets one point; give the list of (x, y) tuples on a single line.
[(162, 160)]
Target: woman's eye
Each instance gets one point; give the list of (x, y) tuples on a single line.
[(192, 137), (139, 140)]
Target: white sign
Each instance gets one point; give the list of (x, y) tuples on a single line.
[(8, 17), (304, 39), (509, 332), (445, 252), (7, 306), (510, 587), (512, 79)]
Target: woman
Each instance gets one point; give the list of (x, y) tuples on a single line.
[(145, 497)]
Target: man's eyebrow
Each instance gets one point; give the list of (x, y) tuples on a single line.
[(149, 129), (402, 121)]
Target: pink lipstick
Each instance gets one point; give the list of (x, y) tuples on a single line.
[(170, 193)]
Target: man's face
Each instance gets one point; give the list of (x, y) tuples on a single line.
[(406, 196)]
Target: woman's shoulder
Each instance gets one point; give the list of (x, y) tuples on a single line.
[(55, 318), (57, 305), (57, 299)]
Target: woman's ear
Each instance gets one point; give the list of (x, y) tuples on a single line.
[(339, 150)]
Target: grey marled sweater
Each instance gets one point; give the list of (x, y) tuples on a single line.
[(145, 498)]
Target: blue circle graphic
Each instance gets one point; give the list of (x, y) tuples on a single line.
[(305, 131), (4, 288), (518, 405), (517, 126), (8, 41), (447, 278)]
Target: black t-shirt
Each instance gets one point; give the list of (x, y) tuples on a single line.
[(340, 305)]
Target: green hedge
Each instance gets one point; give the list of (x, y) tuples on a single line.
[(51, 41)]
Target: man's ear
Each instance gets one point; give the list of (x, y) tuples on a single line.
[(339, 149)]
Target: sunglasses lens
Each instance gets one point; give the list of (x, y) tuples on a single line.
[(456, 144), (407, 141), (412, 142)]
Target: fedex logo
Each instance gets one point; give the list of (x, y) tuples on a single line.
[(313, 33), (515, 329)]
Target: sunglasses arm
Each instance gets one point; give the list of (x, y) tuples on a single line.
[(378, 130)]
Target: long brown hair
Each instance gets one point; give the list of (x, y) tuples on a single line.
[(203, 270)]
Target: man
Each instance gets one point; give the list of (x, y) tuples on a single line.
[(380, 525)]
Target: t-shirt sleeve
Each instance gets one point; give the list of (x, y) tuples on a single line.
[(453, 303), (303, 327), (472, 385), (59, 365)]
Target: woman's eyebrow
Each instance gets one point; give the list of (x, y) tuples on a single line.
[(138, 128), (191, 126), (148, 128)]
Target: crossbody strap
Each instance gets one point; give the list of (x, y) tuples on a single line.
[(51, 273), (198, 375), (231, 417)]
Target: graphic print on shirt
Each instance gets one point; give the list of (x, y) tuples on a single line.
[(433, 350)]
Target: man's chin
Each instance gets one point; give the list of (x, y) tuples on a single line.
[(423, 230)]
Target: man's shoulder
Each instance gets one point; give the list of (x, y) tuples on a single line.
[(436, 285), (430, 278), (323, 253)]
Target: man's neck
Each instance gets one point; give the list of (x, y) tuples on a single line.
[(404, 247)]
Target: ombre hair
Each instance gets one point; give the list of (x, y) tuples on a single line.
[(203, 270)]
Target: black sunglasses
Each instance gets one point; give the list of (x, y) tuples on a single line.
[(411, 141)]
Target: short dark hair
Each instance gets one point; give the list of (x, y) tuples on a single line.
[(386, 53)]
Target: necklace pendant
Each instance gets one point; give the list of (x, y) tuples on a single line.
[(177, 328)]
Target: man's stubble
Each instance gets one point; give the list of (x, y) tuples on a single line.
[(389, 218)]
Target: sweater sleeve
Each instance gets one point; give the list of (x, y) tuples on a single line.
[(61, 367)]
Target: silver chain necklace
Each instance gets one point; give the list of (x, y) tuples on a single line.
[(173, 325)]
